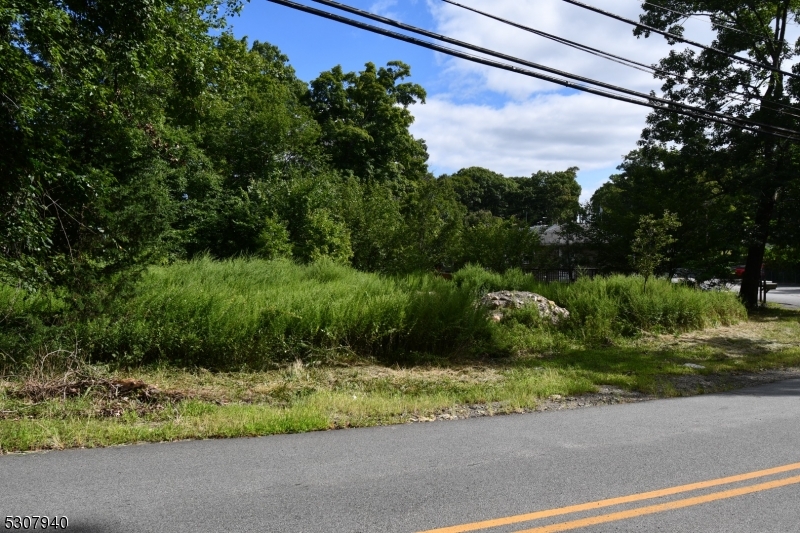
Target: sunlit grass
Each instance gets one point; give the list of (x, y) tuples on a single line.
[(247, 347), (254, 314)]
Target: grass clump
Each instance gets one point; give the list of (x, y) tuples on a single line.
[(29, 326), (254, 313), (249, 313), (605, 308)]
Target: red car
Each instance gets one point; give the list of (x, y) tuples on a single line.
[(738, 271)]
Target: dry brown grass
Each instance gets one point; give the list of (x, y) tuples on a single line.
[(766, 332)]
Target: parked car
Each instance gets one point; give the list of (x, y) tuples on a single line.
[(738, 270)]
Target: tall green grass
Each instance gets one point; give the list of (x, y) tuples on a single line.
[(27, 325), (606, 307), (252, 314)]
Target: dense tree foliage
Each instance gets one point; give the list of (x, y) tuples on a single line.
[(365, 118), (142, 132), (544, 198), (650, 240), (654, 179), (753, 170), (97, 103)]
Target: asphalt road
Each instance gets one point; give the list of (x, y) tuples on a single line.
[(788, 295), (418, 477)]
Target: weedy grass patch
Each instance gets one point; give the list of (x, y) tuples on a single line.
[(250, 313), (246, 347), (256, 314), (173, 404), (253, 314), (617, 306)]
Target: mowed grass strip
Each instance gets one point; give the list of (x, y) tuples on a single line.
[(299, 399)]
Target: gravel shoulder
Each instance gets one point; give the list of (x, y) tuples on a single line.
[(690, 385)]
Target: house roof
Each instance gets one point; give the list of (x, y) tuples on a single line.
[(553, 235)]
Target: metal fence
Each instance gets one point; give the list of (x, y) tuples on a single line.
[(783, 276), (561, 275)]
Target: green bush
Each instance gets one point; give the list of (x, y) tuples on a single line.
[(28, 325)]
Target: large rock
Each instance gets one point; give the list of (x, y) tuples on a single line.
[(519, 299)]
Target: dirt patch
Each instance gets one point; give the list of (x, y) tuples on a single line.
[(109, 397), (747, 338), (705, 383)]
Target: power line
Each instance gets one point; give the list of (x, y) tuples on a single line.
[(608, 86), (561, 40), (618, 59), (680, 39), (692, 112), (649, 98)]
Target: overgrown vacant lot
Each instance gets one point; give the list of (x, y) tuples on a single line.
[(246, 348)]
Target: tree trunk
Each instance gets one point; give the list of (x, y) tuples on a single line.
[(755, 250), (766, 203)]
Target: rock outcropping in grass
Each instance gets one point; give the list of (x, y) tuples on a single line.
[(519, 299)]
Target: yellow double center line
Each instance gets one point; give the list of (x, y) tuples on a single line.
[(640, 511)]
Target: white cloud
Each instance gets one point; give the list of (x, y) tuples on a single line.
[(534, 125), (564, 20), (384, 8), (390, 8), (546, 132)]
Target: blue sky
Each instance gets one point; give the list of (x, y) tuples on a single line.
[(315, 45), (477, 116)]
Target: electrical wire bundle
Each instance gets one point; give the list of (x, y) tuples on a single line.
[(563, 78)]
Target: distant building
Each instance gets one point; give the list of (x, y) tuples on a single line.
[(557, 235), (567, 246)]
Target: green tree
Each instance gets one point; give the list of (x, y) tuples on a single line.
[(560, 193), (542, 198), (90, 96), (785, 232), (311, 206), (650, 240), (498, 244), (321, 236), (255, 125), (752, 166), (378, 231), (434, 219), (365, 119), (655, 179), (254, 142), (228, 225), (480, 189), (273, 241)]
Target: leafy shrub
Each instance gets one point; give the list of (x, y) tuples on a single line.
[(28, 324)]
